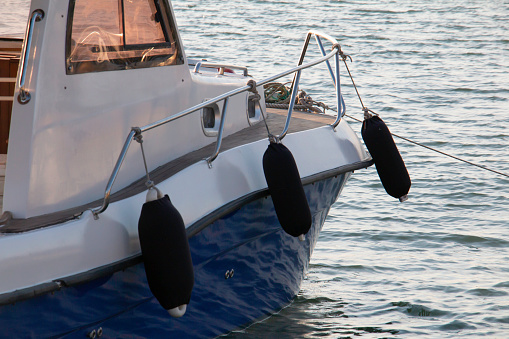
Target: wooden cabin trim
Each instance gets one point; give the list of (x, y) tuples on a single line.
[(10, 50)]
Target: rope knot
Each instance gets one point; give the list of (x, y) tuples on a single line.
[(345, 56), (252, 84), (338, 46), (274, 139), (366, 111), (341, 53)]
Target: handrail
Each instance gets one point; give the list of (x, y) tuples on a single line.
[(220, 67), (219, 134), (234, 92), (294, 90), (136, 131), (24, 95)]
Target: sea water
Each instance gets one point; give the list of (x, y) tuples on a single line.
[(437, 72)]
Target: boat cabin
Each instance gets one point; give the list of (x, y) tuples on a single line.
[(91, 70)]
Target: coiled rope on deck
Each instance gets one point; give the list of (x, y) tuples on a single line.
[(278, 95)]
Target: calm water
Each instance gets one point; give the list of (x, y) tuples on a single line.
[(436, 266)]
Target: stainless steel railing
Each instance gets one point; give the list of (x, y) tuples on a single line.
[(24, 95), (220, 67), (251, 86)]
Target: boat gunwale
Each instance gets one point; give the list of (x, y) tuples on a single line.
[(301, 122), (198, 226)]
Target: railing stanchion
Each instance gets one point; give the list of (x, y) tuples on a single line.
[(219, 134), (339, 98), (295, 89), (320, 45), (114, 174)]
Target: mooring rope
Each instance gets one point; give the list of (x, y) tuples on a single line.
[(257, 97), (440, 152), (139, 138), (367, 114)]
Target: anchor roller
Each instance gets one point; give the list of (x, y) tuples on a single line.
[(166, 253), (388, 162), (286, 189)]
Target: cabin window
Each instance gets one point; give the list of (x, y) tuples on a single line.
[(107, 35)]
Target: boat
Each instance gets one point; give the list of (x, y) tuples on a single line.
[(108, 123)]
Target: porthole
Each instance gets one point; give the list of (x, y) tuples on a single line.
[(210, 118), (253, 109)]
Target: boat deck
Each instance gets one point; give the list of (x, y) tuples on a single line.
[(276, 119)]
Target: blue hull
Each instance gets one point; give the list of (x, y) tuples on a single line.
[(268, 266)]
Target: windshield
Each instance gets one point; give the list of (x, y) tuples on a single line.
[(106, 35)]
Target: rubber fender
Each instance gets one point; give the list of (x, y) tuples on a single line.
[(388, 162), (285, 187), (166, 254)]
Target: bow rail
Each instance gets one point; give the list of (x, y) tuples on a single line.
[(251, 87)]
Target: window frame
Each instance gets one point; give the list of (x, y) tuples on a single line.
[(169, 29)]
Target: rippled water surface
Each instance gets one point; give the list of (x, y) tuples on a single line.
[(437, 265)]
